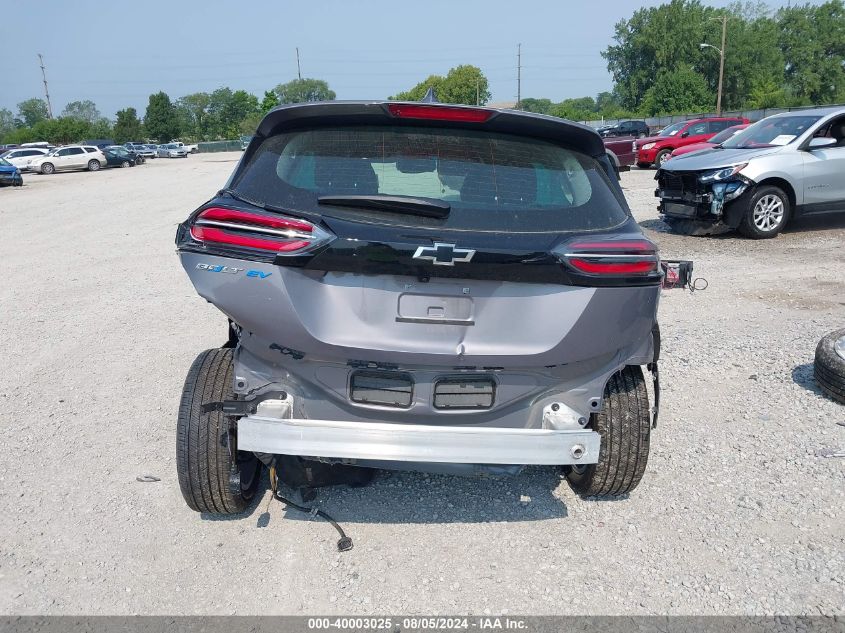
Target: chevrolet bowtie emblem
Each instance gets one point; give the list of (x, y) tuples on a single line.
[(444, 254)]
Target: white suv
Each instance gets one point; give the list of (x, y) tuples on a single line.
[(69, 157), (23, 156)]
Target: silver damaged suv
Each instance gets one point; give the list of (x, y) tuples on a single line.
[(419, 286), (787, 165)]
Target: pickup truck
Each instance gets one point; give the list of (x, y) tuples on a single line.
[(621, 151)]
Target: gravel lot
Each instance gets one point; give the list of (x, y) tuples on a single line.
[(735, 515)]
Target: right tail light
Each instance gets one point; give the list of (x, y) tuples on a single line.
[(613, 262)]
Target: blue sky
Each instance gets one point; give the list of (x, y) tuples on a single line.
[(117, 53)]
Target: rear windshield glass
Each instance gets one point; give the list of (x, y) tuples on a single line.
[(492, 181)]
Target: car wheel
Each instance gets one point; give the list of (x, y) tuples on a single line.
[(48, 168), (94, 165), (662, 157), (124, 164), (767, 214), (829, 365), (624, 425), (203, 441)]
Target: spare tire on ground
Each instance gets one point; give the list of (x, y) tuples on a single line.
[(829, 367)]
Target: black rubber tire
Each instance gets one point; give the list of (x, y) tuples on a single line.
[(661, 157), (48, 168), (125, 164), (746, 225), (625, 428), (94, 165), (829, 367), (202, 440)]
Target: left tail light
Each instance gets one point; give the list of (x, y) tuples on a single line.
[(264, 234)]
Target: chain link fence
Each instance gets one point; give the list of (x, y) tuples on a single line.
[(663, 121), (218, 146)]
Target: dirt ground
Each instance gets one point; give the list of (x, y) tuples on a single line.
[(736, 514)]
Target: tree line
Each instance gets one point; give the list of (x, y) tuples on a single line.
[(794, 56), (789, 57), (201, 116)]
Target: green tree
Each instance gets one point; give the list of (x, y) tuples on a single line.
[(418, 92), (32, 111), (161, 120), (812, 40), (579, 109), (678, 91), (463, 84), (539, 106), (83, 110), (193, 115), (766, 93), (270, 101), (302, 90), (667, 38), (242, 106), (7, 124), (250, 124), (127, 127)]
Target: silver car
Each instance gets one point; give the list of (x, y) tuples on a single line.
[(171, 150), (419, 286), (785, 166)]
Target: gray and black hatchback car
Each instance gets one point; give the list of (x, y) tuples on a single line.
[(419, 286)]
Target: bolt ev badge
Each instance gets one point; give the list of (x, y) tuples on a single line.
[(232, 270), (444, 254)]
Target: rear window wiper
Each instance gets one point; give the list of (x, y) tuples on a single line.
[(426, 207)]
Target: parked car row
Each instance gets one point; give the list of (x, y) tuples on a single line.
[(656, 150), (46, 159), (757, 178)]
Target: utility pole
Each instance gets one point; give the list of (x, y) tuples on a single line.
[(477, 90), (722, 64), (298, 70), (518, 75), (721, 51), (46, 92)]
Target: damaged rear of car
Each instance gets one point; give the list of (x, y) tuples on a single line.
[(419, 286), (784, 166)]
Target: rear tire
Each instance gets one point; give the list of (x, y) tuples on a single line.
[(625, 428), (202, 440), (829, 365), (94, 165)]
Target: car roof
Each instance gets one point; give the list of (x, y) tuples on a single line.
[(812, 111), (505, 121)]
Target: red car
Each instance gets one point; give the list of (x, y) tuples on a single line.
[(656, 150), (720, 138)]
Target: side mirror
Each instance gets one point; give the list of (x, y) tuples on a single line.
[(820, 142), (685, 134)]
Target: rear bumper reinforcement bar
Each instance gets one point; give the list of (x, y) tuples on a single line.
[(416, 443)]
